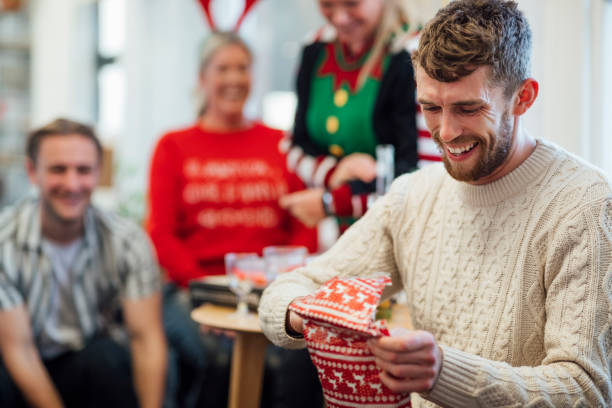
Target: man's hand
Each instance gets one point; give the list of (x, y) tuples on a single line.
[(294, 325), (305, 205), (410, 362), (356, 166)]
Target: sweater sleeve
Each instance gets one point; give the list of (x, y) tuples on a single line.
[(352, 255), (177, 260), (575, 370)]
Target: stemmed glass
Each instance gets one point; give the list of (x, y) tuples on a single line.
[(283, 258), (385, 171), (245, 270), (385, 168)]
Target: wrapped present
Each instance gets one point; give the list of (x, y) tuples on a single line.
[(338, 320)]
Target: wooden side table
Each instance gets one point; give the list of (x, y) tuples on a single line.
[(246, 376)]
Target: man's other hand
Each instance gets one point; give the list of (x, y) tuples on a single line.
[(410, 361)]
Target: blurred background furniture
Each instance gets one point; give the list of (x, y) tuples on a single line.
[(250, 345), (246, 377), (14, 98)]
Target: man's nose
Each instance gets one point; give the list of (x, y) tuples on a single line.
[(450, 128), (71, 180)]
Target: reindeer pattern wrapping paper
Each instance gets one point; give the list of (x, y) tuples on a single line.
[(338, 321)]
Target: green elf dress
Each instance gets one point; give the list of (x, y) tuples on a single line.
[(335, 117)]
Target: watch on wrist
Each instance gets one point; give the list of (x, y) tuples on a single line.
[(328, 203)]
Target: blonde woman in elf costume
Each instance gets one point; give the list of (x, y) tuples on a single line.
[(214, 188), (355, 91)]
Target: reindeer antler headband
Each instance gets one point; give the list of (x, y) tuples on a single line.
[(248, 5)]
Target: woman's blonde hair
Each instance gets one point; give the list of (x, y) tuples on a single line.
[(213, 43), (400, 21), (396, 25)]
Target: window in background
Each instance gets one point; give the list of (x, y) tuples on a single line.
[(14, 99), (111, 74), (110, 90), (607, 90), (284, 27)]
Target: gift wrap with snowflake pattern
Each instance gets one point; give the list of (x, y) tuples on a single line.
[(338, 321)]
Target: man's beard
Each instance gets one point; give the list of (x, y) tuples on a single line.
[(490, 159)]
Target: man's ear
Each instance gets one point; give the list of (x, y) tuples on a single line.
[(526, 96), (30, 167)]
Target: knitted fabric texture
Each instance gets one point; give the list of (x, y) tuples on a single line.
[(338, 321), (513, 278)]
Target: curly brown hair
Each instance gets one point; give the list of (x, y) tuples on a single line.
[(468, 34)]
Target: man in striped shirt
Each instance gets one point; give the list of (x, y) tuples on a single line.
[(68, 274)]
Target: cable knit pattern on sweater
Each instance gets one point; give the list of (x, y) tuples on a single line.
[(513, 278)]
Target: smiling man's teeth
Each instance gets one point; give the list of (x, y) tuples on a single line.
[(459, 150)]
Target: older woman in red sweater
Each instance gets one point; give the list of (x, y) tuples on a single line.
[(214, 188)]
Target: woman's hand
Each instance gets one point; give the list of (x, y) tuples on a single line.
[(356, 166), (305, 205)]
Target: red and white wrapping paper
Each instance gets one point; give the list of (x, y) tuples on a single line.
[(338, 320)]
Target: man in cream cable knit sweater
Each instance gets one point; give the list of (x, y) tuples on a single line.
[(505, 256)]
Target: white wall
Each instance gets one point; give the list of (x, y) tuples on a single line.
[(159, 60), (63, 60), (567, 60), (606, 90)]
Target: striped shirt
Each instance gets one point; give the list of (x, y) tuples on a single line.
[(115, 262)]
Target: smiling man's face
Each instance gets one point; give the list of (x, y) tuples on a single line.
[(471, 122), (66, 171)]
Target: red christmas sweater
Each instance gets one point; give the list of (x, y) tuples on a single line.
[(212, 193)]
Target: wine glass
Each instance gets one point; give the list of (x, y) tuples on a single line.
[(385, 168), (385, 171), (283, 258), (245, 270)]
